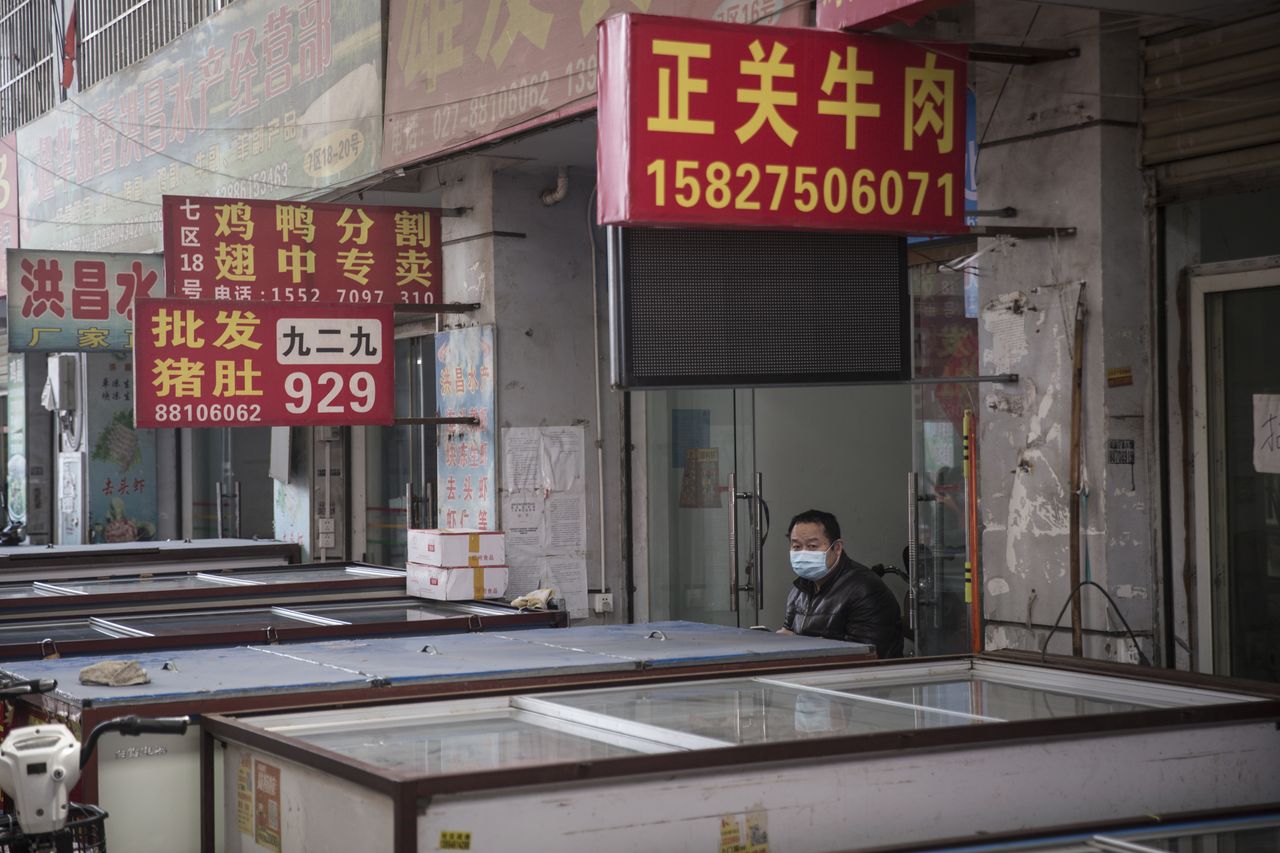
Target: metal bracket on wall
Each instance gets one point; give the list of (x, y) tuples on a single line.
[(436, 308), (464, 420), (1017, 55), (999, 378), (1022, 232)]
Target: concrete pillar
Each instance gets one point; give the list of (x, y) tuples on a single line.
[(1059, 142)]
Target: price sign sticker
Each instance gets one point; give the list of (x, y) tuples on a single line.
[(207, 364)]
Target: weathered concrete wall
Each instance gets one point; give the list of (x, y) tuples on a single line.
[(1062, 153), (542, 286)]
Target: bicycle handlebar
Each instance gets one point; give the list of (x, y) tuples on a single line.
[(27, 687), (133, 725)]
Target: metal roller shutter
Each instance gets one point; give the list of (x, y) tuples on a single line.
[(1211, 109)]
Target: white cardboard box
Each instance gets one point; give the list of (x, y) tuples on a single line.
[(457, 584), (458, 547)]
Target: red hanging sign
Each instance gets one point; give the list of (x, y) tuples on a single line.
[(209, 364), (726, 125), (250, 250)]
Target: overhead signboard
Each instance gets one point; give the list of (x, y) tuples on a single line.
[(245, 250), (77, 301), (460, 72), (710, 124), (8, 202), (871, 14), (263, 98), (211, 364)]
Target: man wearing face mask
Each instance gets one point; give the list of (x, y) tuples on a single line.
[(836, 597)]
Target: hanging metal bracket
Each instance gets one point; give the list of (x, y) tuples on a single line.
[(465, 420), (1022, 232), (436, 307), (1018, 55)]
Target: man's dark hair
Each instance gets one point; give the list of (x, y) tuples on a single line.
[(817, 516)]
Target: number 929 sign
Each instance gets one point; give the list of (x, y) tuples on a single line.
[(210, 364)]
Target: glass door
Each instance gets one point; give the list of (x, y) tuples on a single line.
[(701, 537), (400, 461), (231, 487), (1242, 388)]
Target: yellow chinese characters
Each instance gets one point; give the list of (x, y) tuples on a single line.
[(184, 377), (295, 222), (235, 260), (847, 74), (427, 51), (685, 85), (413, 233), (522, 19), (929, 100), (766, 99)]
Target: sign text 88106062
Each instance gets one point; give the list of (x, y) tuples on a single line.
[(203, 364)]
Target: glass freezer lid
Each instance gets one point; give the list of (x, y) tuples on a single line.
[(168, 624), (117, 586), (993, 699), (460, 736), (406, 610), (743, 711), (311, 575)]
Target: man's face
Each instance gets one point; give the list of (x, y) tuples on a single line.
[(812, 536)]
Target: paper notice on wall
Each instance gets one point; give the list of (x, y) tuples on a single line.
[(545, 511), (522, 522), (568, 574), (1266, 433)]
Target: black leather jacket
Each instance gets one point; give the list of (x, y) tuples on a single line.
[(854, 605)]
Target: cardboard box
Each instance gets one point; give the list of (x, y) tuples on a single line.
[(457, 584), (457, 548)]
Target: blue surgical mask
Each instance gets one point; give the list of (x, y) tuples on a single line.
[(810, 565)]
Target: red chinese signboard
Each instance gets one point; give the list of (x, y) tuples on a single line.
[(871, 14), (725, 125), (207, 364), (242, 250)]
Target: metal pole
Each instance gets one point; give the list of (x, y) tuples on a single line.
[(912, 542), (1073, 522), (217, 491), (235, 497)]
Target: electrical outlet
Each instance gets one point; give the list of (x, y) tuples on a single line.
[(1126, 651), (602, 602)]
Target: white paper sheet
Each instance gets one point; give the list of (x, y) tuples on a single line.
[(545, 511), (1266, 433)]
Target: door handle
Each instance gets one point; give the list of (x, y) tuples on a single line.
[(733, 543), (759, 531)]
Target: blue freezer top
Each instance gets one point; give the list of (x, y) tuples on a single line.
[(657, 644), (193, 675)]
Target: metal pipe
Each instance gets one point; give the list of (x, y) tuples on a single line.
[(912, 543), (1073, 522), (217, 492), (972, 581), (733, 543)]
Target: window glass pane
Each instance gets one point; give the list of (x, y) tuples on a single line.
[(750, 712), (462, 746)]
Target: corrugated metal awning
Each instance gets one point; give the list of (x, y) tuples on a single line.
[(1211, 108)]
